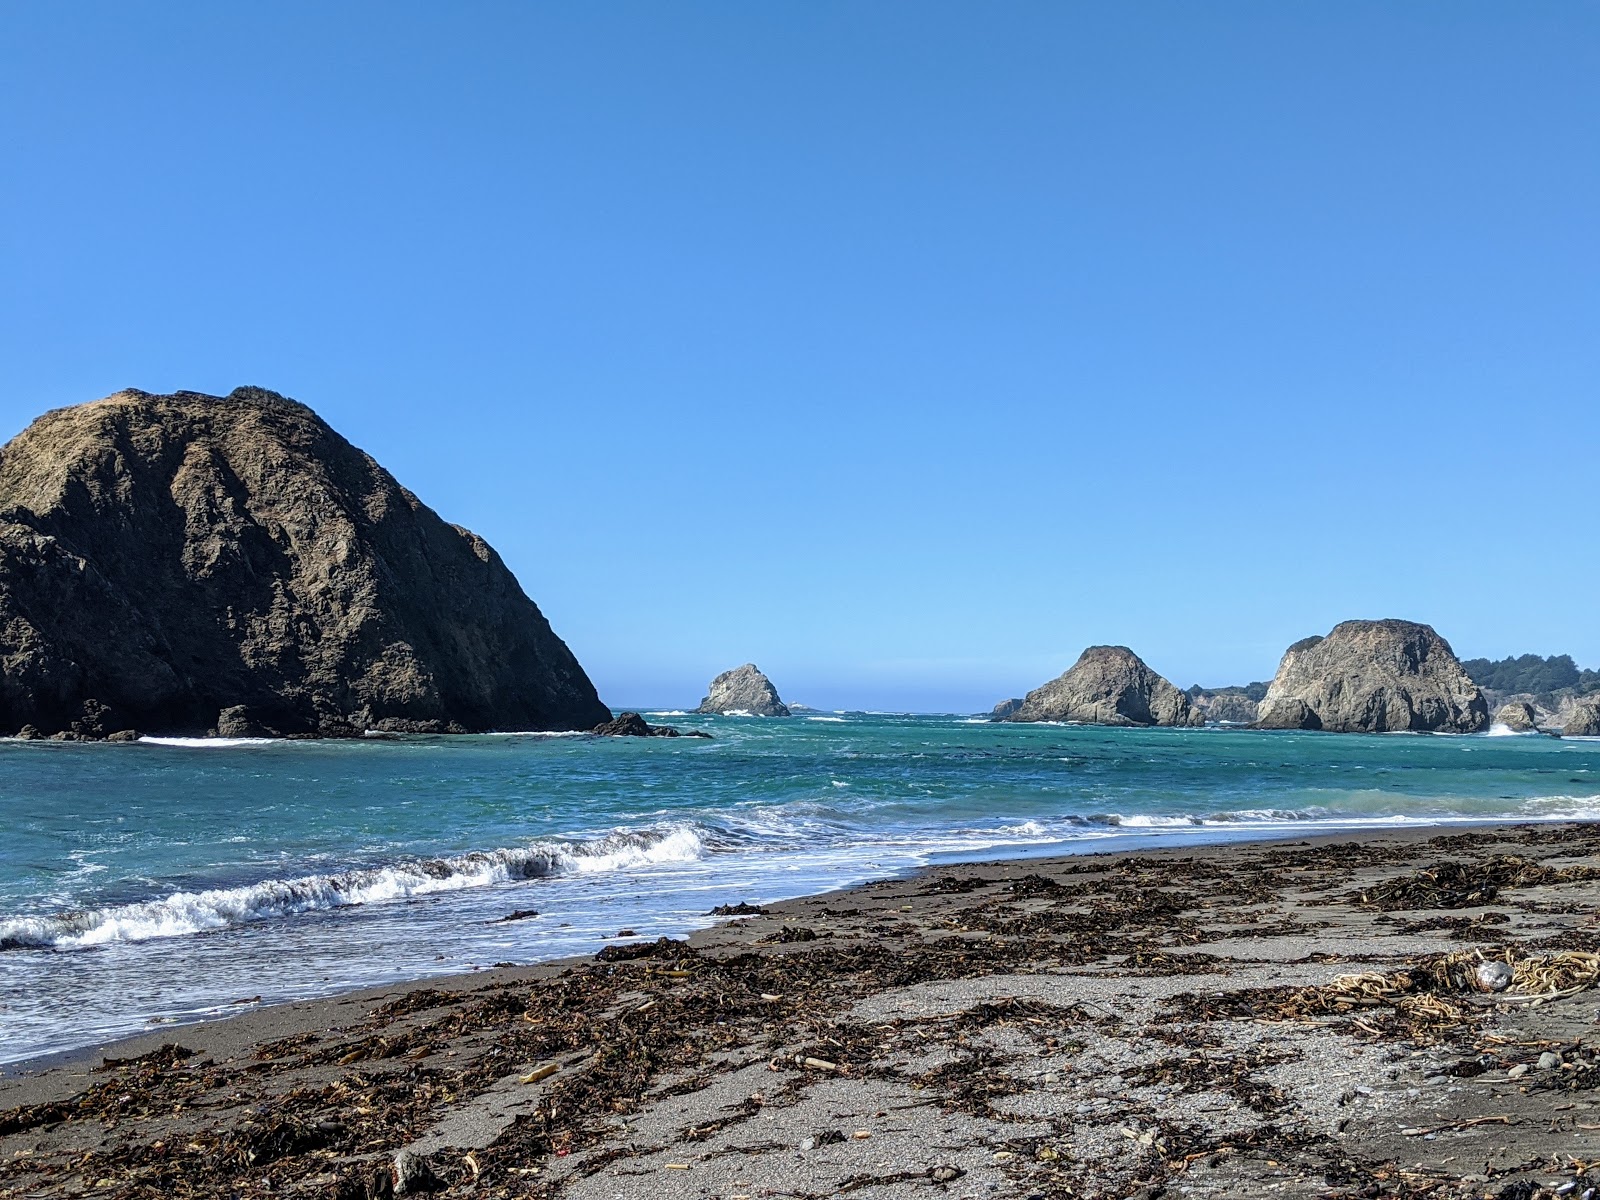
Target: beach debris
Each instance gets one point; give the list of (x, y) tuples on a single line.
[(1452, 884), (413, 1173), (741, 909), (521, 914), (1494, 976), (944, 1173), (540, 1073)]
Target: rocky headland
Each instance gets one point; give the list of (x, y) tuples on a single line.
[(192, 563), (1373, 677), (743, 691), (1108, 685)]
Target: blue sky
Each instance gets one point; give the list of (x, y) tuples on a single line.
[(905, 349)]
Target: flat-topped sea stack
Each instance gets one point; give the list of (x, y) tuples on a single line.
[(1373, 677), (193, 563), (1108, 685), (743, 691)]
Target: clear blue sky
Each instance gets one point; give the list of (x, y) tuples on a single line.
[(903, 348)]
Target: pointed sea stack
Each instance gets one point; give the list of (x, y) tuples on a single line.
[(743, 691), (1373, 677), (187, 563), (1108, 685)]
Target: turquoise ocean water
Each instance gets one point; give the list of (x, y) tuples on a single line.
[(155, 882)]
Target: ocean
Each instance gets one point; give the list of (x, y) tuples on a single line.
[(169, 881)]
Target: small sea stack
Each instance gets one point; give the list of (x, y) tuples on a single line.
[(191, 563), (1108, 685), (1374, 677), (1517, 716), (743, 691), (1583, 720)]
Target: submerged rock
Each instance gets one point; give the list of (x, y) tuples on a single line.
[(743, 690), (1517, 716), (1373, 677), (1108, 685), (186, 563)]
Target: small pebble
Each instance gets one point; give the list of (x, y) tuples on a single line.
[(1518, 1071), (1437, 1079), (1549, 1061)]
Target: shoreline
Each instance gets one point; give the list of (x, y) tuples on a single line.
[(1188, 841), (1085, 1024)]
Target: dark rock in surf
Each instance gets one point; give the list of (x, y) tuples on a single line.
[(186, 563), (1374, 677), (631, 724), (1005, 709), (1108, 685)]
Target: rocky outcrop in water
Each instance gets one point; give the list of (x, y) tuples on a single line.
[(1108, 685), (631, 724), (1517, 716), (743, 690), (1583, 720), (1005, 709), (1373, 677), (1224, 706), (188, 563)]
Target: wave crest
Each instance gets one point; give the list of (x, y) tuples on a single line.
[(224, 908)]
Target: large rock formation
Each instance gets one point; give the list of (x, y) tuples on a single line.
[(186, 563), (1584, 719), (1005, 709), (743, 691), (1373, 677), (1108, 685), (1517, 716)]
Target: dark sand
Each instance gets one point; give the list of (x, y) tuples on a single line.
[(1165, 1023)]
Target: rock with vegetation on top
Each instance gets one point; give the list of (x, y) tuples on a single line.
[(1373, 677), (1109, 685), (743, 690), (1583, 720), (189, 563), (1517, 716)]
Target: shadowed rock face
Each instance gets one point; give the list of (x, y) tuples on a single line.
[(743, 690), (185, 563), (1373, 677), (1004, 709), (1109, 685)]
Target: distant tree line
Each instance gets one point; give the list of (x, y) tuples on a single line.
[(1530, 673)]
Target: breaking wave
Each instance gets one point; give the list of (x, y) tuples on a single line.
[(224, 908)]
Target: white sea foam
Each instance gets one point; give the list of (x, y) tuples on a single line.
[(209, 743), (832, 720), (668, 712), (223, 908)]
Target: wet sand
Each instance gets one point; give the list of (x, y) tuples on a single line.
[(1287, 1019)]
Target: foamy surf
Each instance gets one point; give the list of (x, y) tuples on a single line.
[(224, 908), (208, 743)]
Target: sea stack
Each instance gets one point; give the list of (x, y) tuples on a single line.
[(1373, 677), (1517, 716), (1584, 719), (1005, 710), (743, 691), (190, 563), (1108, 685)]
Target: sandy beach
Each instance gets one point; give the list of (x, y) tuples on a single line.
[(1288, 1019)]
